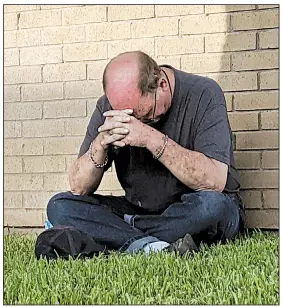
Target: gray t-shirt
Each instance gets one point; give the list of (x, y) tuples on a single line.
[(196, 120)]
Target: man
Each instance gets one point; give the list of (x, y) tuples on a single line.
[(168, 133)]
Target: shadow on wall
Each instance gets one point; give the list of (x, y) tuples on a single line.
[(237, 59)]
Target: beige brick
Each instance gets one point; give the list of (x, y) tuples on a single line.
[(241, 121), (268, 39), (198, 24), (13, 200), (154, 27), (41, 55), (36, 200), (230, 41), (255, 20), (46, 164), (177, 45), (259, 179), (56, 6), (10, 39), (86, 14), (118, 193), (64, 72), (43, 128), (178, 10), (252, 199), (247, 159), (12, 129), (110, 182), (271, 199), (20, 8), (63, 35), (95, 70), (13, 165), (229, 101), (84, 52), (23, 217), (91, 105), (18, 111), (236, 81), (10, 21), (108, 31), (174, 61), (42, 91), (69, 160), (257, 100), (40, 19), (14, 75), (56, 182), (23, 182), (12, 93), (270, 120), (102, 192), (263, 219), (65, 108), (269, 79), (125, 12), (62, 146), (81, 89), (11, 57), (267, 6), (270, 159), (76, 126), (146, 45), (23, 147), (254, 60), (205, 63), (257, 140), (227, 8), (28, 38)]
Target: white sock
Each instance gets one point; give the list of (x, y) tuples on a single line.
[(155, 247)]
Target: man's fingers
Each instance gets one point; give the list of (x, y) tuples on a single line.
[(109, 139), (118, 112), (110, 125), (118, 144), (119, 131), (120, 118)]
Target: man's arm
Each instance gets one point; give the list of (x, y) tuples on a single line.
[(84, 177), (192, 168)]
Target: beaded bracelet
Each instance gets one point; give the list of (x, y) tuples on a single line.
[(101, 165), (158, 155)]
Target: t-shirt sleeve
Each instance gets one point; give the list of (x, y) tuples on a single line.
[(213, 133), (95, 122)]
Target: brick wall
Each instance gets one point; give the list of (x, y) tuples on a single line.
[(54, 58)]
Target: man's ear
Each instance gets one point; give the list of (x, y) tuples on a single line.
[(157, 95), (163, 83)]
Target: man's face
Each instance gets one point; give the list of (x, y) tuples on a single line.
[(142, 106)]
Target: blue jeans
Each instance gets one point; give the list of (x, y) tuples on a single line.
[(208, 216)]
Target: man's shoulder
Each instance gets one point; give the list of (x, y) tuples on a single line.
[(200, 83)]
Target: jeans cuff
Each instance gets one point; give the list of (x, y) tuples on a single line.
[(136, 244)]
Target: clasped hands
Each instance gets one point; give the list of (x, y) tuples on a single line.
[(121, 128)]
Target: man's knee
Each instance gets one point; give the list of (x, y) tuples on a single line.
[(207, 200), (55, 205)]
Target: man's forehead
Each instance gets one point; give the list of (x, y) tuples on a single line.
[(123, 98)]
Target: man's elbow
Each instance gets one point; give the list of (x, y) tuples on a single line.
[(220, 184)]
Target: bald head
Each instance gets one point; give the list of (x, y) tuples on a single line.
[(120, 80), (129, 76)]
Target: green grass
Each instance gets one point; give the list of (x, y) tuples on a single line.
[(243, 272)]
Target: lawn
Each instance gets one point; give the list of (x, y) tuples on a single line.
[(242, 272)]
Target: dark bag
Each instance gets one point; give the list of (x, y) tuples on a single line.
[(65, 241)]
